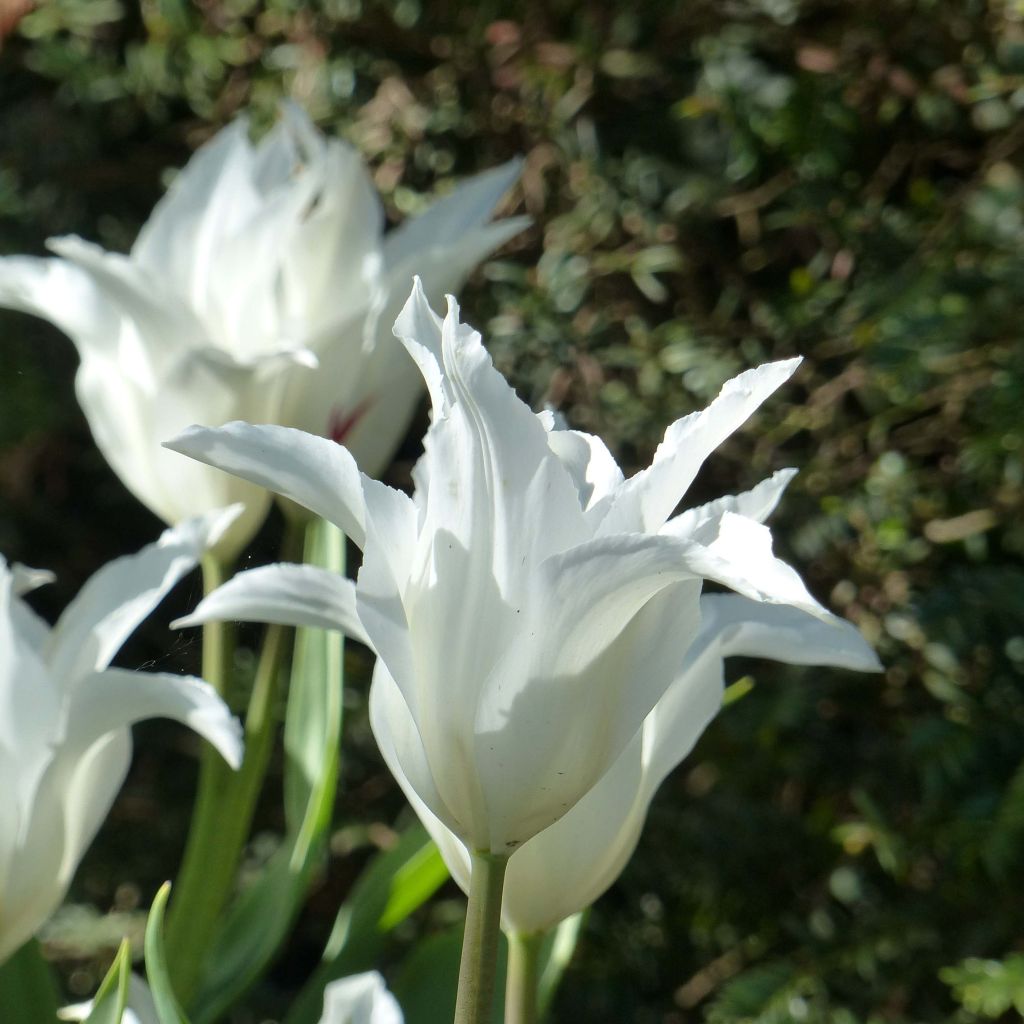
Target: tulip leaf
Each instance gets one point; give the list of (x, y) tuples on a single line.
[(394, 884), (259, 921), (111, 999), (559, 946), (167, 1008), (28, 990)]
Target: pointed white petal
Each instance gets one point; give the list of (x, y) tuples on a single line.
[(701, 523), (166, 326), (63, 294), (360, 999), (117, 698), (90, 784), (398, 738), (418, 327), (29, 701), (590, 464), (542, 745), (753, 629), (491, 468), (211, 197), (740, 557), (565, 868), (292, 595), (121, 594), (448, 221), (313, 471), (26, 580), (647, 499)]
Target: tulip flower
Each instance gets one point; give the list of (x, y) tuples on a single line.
[(529, 605), (565, 868), (260, 262), (359, 999), (65, 741)]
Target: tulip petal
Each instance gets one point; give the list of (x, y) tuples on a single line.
[(597, 837), (449, 220), (63, 294), (360, 999), (740, 557), (117, 698), (29, 701), (490, 467), (647, 499), (561, 734), (291, 595), (86, 795), (209, 198), (590, 464), (419, 328), (121, 594), (25, 579), (701, 523), (737, 626), (752, 629), (314, 472), (401, 745), (166, 326)]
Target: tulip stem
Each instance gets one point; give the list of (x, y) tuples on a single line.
[(475, 999), (522, 1004), (226, 800)]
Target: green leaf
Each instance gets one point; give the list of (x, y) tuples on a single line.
[(394, 884), (28, 990), (990, 988), (167, 1008), (261, 918), (557, 951), (111, 999)]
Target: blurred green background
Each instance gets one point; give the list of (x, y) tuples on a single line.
[(712, 184)]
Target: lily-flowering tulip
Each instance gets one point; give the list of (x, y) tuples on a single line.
[(65, 741), (359, 999), (260, 262), (530, 606), (565, 868)]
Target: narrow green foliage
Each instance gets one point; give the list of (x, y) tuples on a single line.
[(157, 974), (108, 1005)]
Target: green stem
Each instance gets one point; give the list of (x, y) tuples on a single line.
[(28, 989), (475, 999), (226, 800), (522, 1003)]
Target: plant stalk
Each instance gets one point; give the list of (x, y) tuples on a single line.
[(522, 986), (480, 943), (226, 800)]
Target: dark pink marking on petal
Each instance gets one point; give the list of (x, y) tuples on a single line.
[(340, 424)]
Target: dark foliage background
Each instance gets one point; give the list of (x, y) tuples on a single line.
[(712, 184)]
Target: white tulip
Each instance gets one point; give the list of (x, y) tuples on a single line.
[(360, 999), (260, 262), (565, 868), (65, 741), (529, 605)]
